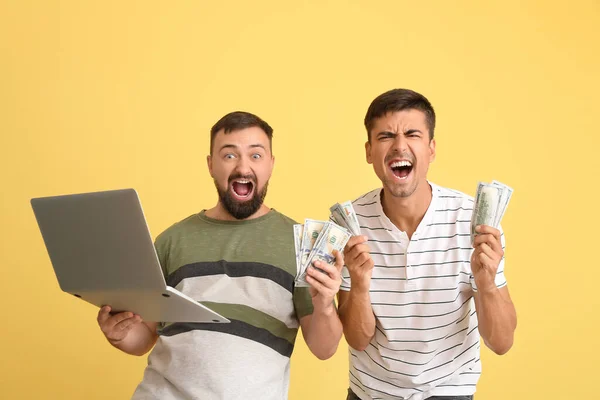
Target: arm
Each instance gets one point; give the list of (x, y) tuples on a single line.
[(497, 318), (322, 330), (127, 332), (495, 310), (355, 308)]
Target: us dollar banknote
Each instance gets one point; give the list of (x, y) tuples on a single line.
[(332, 237), (491, 201), (345, 216)]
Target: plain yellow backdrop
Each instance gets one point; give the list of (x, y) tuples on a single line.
[(101, 95)]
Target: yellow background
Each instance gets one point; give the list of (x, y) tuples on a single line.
[(101, 95)]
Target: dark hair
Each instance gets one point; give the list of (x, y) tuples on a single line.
[(237, 120), (398, 100)]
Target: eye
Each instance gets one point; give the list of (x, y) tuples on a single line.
[(229, 156), (385, 136), (256, 156)]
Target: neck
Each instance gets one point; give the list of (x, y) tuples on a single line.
[(219, 212), (406, 213)]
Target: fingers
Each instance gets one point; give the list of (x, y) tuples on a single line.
[(358, 255), (117, 322), (356, 251), (484, 259), (487, 250), (354, 240), (491, 240), (486, 229), (127, 324), (339, 260), (318, 286), (103, 314), (330, 278), (329, 269)]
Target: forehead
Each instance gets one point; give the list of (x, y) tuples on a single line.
[(396, 121), (242, 138)]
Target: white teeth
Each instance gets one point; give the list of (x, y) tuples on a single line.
[(402, 163), (242, 181)]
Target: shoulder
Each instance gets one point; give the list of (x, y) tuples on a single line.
[(282, 219), (368, 197), (452, 200), (177, 229), (367, 201)]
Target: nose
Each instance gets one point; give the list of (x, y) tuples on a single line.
[(243, 166), (400, 143)]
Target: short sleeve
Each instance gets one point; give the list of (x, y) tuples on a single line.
[(162, 246), (302, 302)]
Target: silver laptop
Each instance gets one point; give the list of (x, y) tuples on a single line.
[(102, 252)]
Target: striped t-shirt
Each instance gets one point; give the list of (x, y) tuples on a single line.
[(426, 340), (245, 271)]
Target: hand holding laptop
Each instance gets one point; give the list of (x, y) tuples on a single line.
[(116, 326), (102, 252), (127, 331)]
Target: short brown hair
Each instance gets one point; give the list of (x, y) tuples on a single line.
[(398, 100), (237, 120)]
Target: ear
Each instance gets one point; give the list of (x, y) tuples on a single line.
[(209, 164), (272, 166), (431, 150), (368, 152)]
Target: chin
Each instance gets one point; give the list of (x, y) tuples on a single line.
[(401, 191)]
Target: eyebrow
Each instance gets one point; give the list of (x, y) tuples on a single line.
[(408, 132), (235, 146)]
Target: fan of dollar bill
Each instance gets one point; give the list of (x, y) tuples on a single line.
[(490, 204), (316, 240)]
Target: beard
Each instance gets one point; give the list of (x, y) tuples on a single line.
[(241, 209)]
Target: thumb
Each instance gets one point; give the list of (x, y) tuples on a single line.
[(339, 260)]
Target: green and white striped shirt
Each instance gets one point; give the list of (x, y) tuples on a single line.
[(244, 270)]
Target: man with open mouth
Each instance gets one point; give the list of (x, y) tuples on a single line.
[(416, 296), (237, 258)]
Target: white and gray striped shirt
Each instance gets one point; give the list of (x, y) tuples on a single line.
[(426, 341)]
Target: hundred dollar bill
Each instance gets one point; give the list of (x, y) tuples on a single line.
[(486, 207), (298, 229), (336, 216), (506, 195), (332, 237), (312, 229), (352, 218), (345, 216)]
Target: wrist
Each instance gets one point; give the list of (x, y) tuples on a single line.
[(482, 286), (360, 285), (326, 309)]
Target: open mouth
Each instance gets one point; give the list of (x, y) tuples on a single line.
[(242, 189), (401, 168)]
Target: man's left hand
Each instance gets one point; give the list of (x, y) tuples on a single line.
[(325, 285), (486, 257)]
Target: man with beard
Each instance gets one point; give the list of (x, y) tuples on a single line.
[(237, 258), (416, 295)]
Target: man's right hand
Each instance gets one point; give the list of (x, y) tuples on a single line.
[(127, 332), (116, 327), (359, 262)]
